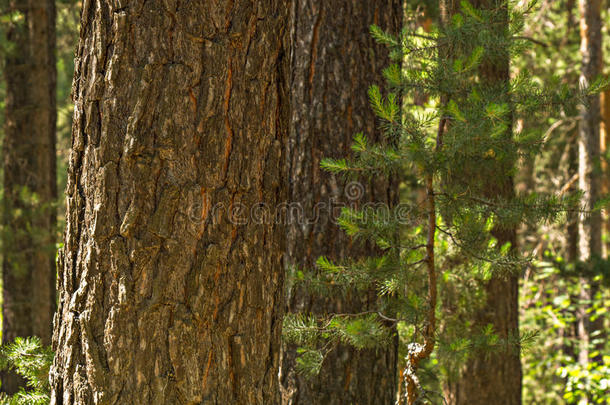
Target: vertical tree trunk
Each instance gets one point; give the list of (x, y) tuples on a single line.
[(171, 280), (572, 233), (605, 173), (572, 217), (334, 60), (30, 191), (495, 378), (589, 167)]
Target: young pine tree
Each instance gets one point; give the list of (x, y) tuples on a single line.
[(448, 244)]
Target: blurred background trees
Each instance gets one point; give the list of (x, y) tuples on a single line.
[(30, 188), (37, 45)]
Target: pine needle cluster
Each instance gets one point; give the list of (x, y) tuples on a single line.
[(31, 360)]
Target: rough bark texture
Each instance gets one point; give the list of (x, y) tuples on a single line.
[(589, 164), (495, 378), (170, 291), (28, 270), (334, 60)]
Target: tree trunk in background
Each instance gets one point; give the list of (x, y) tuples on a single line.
[(567, 344), (572, 217), (605, 173), (495, 378), (171, 281), (30, 191), (589, 167), (334, 61)]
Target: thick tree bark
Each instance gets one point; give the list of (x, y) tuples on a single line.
[(334, 60), (30, 191), (171, 281), (589, 164), (495, 378)]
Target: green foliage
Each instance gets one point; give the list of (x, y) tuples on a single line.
[(553, 373), (316, 336), (550, 289), (590, 382), (29, 359)]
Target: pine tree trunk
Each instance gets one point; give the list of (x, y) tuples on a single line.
[(334, 60), (590, 225), (171, 280), (605, 172), (30, 191), (572, 217), (495, 378)]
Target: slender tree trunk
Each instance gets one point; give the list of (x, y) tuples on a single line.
[(495, 378), (334, 60), (572, 217), (605, 173), (30, 191), (171, 280), (567, 345), (589, 165)]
